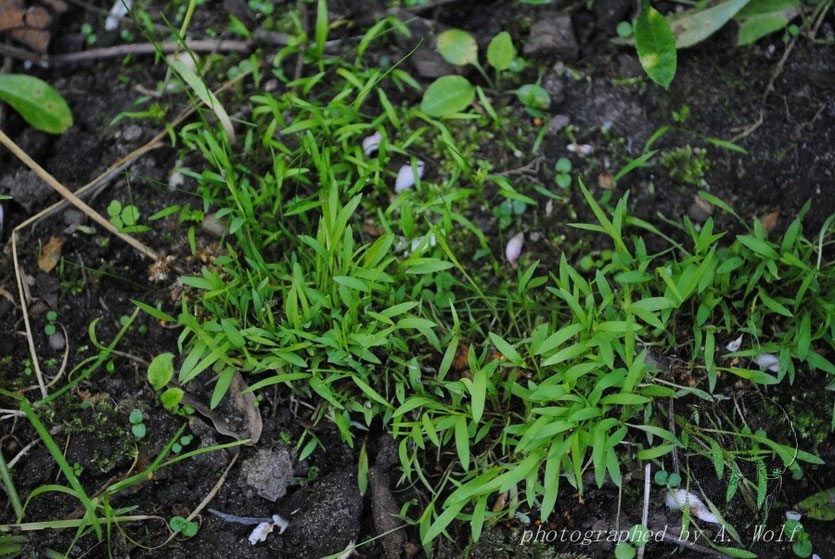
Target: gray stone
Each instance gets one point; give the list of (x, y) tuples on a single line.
[(429, 64), (557, 123), (329, 519), (555, 87), (552, 35), (26, 189), (270, 472)]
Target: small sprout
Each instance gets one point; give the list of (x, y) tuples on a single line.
[(176, 448), (52, 316), (517, 64), (661, 477), (372, 143), (138, 430), (514, 248), (735, 344), (674, 479), (49, 329), (563, 165), (136, 417), (190, 529), (406, 177), (679, 498), (624, 29)]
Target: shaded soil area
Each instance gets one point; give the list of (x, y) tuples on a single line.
[(598, 94)]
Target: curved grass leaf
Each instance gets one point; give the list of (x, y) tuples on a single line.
[(694, 26), (38, 103)]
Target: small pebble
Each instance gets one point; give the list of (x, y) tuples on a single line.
[(56, 341)]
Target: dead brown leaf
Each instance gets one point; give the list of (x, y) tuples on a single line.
[(50, 254), (236, 416), (769, 221)]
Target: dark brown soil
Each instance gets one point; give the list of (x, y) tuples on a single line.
[(790, 159)]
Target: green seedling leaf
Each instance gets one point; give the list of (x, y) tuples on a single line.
[(135, 417), (500, 51), (171, 397), (38, 103), (761, 17), (161, 370), (190, 529), (446, 95), (138, 430), (656, 46), (534, 96), (457, 47), (177, 523), (820, 506)]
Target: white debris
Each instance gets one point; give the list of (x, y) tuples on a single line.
[(768, 361), (264, 529), (119, 10), (677, 499), (734, 345), (372, 143), (406, 177), (1, 220), (176, 179), (348, 551), (417, 242), (793, 515), (186, 58), (514, 248), (580, 149), (260, 532)]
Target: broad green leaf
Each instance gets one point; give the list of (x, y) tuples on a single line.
[(696, 25), (761, 17), (446, 95), (38, 103), (457, 47), (534, 96), (161, 370), (500, 51), (462, 442), (656, 46)]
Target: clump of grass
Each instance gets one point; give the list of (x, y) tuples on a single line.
[(516, 380)]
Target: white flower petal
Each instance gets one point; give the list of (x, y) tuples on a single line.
[(371, 143), (734, 345), (514, 248), (406, 177), (768, 361)]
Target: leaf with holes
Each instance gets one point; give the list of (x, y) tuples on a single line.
[(37, 102)]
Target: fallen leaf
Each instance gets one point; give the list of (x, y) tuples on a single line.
[(769, 221), (50, 254), (236, 416)]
